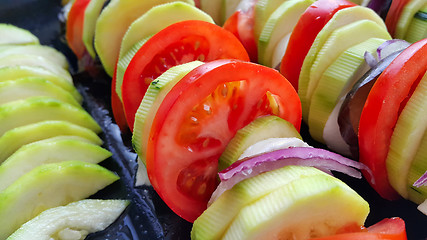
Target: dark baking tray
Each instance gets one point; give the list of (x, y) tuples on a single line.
[(148, 217)]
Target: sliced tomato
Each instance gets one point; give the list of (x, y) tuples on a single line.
[(179, 43), (385, 101), (198, 118), (393, 15), (305, 31), (387, 229), (241, 24), (74, 27)]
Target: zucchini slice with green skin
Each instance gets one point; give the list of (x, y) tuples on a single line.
[(417, 169), (73, 221), (23, 88), (417, 28), (13, 139), (148, 23), (35, 61), (309, 207), (51, 150), (47, 52), (407, 139), (215, 221), (280, 23), (338, 41), (17, 72), (408, 12), (48, 186), (341, 18), (156, 92), (10, 34), (144, 117), (37, 109), (118, 15), (260, 129), (92, 11), (335, 82)]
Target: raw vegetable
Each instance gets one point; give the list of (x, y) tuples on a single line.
[(178, 43), (10, 34), (118, 15), (75, 220), (262, 128), (385, 101), (51, 150), (47, 186), (188, 124), (308, 26), (74, 28)]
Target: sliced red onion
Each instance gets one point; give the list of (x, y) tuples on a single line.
[(370, 59), (302, 156), (391, 46), (422, 181), (380, 7)]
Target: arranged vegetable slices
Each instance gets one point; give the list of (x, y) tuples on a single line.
[(189, 111), (49, 143), (200, 116), (176, 44)]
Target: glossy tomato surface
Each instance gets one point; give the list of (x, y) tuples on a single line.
[(179, 43), (148, 217), (197, 119)]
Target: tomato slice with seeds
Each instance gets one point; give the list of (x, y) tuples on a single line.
[(198, 118), (74, 27), (305, 31), (179, 43), (382, 108)]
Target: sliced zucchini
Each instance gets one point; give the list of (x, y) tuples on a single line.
[(10, 34), (335, 83), (306, 208), (407, 14), (46, 151), (23, 88), (406, 139), (214, 222), (37, 109), (280, 24), (35, 61), (73, 221), (48, 186), (260, 129), (118, 15), (341, 18), (148, 24), (17, 72), (417, 28), (47, 52), (13, 139), (92, 11)]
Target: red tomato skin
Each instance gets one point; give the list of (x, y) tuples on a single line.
[(117, 106), (200, 81), (387, 229), (393, 15), (381, 111), (305, 31), (74, 27), (241, 24), (221, 44)]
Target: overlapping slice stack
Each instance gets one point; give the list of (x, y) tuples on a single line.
[(50, 147)]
